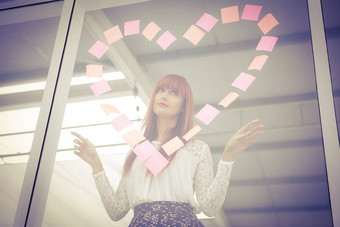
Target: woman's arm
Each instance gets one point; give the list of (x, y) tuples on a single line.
[(115, 203), (210, 191)]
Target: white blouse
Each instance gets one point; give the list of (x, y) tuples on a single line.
[(188, 178)]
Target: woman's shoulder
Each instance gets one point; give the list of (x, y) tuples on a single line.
[(197, 143), (197, 147)]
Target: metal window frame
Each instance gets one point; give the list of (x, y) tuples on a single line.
[(33, 196), (330, 135), (34, 193)]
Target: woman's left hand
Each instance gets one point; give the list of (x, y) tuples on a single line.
[(241, 140)]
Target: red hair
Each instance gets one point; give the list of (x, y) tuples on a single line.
[(184, 121)]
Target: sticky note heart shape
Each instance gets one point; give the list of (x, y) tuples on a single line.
[(196, 32)]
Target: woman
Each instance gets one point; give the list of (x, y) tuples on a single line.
[(169, 199)]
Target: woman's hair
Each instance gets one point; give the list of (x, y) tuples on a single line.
[(184, 121)]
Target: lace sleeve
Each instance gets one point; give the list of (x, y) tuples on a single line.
[(210, 191), (115, 203)]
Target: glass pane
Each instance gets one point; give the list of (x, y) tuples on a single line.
[(280, 181), (26, 44), (332, 28)]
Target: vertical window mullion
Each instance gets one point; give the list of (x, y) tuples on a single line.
[(326, 106), (33, 196)]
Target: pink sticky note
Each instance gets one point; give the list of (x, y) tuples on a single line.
[(94, 71), (258, 62), (165, 40), (267, 43), (100, 87), (151, 30), (172, 145), (113, 34), (108, 109), (192, 132), (207, 114), (228, 99), (131, 27), (194, 34), (98, 49), (156, 163), (230, 14), (133, 137), (120, 122), (207, 22), (267, 23), (243, 81), (144, 150), (251, 12)]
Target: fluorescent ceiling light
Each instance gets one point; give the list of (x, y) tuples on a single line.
[(15, 159), (86, 118), (79, 80), (102, 152), (107, 76), (22, 88)]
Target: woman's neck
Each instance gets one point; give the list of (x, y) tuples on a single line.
[(163, 127)]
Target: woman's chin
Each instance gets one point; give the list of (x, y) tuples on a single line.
[(165, 115)]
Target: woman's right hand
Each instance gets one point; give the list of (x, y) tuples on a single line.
[(86, 151)]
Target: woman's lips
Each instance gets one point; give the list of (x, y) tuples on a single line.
[(162, 104)]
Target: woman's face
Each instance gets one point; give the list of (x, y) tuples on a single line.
[(168, 103)]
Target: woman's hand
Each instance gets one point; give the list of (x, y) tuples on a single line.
[(86, 151), (241, 140)]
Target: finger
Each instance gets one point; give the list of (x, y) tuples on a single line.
[(255, 135), (79, 136), (76, 147), (248, 125), (77, 141), (77, 153), (255, 130), (251, 143)]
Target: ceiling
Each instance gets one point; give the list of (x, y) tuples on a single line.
[(280, 181)]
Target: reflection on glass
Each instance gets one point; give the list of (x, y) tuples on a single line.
[(280, 181), (26, 44)]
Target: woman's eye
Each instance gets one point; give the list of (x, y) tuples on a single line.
[(160, 89), (174, 93)]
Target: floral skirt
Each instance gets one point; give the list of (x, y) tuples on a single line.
[(164, 213)]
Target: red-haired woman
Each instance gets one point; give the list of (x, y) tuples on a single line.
[(168, 199)]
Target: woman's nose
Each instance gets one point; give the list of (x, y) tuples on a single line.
[(164, 95)]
